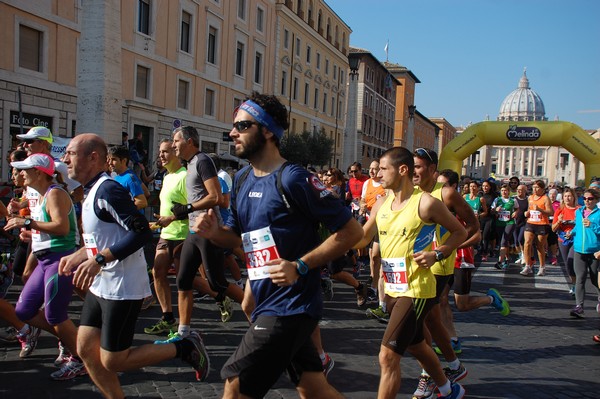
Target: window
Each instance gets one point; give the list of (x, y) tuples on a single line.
[(144, 16), (242, 9), (332, 109), (258, 68), (318, 60), (183, 94), (209, 102), (295, 92), (30, 48), (316, 99), (298, 44), (286, 39), (141, 82), (283, 83), (308, 54), (239, 59), (326, 67), (208, 147), (306, 92), (324, 103), (186, 23), (334, 72), (260, 19), (236, 103), (211, 50)]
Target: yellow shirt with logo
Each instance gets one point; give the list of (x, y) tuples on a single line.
[(401, 234), (446, 266)]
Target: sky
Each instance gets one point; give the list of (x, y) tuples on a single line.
[(470, 54)]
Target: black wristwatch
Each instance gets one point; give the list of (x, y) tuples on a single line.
[(439, 255), (301, 268), (100, 259), (27, 224)]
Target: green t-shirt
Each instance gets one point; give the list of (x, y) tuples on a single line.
[(504, 217), (173, 190)]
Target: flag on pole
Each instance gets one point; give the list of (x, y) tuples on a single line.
[(386, 48)]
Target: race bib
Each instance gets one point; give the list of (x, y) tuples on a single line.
[(504, 216), (90, 245), (394, 274), (535, 216), (259, 248)]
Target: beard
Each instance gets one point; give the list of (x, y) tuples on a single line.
[(255, 144)]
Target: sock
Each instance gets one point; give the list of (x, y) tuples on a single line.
[(445, 389), (455, 339), (383, 306), (168, 316), (491, 300), (25, 330), (454, 365), (184, 330), (425, 373), (322, 356)]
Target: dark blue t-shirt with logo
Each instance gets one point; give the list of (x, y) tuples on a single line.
[(258, 204)]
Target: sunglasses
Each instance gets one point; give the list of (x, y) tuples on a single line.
[(328, 174), (589, 198), (423, 152), (242, 126), (29, 141), (353, 171)]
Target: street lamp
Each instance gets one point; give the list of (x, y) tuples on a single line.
[(353, 63), (411, 111)]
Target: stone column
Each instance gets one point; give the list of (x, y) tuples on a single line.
[(99, 100)]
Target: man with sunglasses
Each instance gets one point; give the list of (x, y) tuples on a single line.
[(284, 254)]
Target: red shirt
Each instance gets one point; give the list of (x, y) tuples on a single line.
[(355, 185)]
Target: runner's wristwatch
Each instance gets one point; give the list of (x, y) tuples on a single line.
[(100, 259), (301, 268), (439, 255), (27, 224)]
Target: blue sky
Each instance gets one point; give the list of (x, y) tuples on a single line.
[(470, 54)]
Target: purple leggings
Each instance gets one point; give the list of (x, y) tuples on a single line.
[(46, 287)]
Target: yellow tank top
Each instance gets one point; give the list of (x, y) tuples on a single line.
[(446, 266), (401, 234)]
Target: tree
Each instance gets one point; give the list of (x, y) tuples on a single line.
[(307, 148)]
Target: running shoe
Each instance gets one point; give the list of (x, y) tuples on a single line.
[(498, 265), (73, 368), (458, 392), (425, 388), (361, 295), (378, 313), (171, 338), (526, 271), (226, 309), (162, 326), (455, 347), (327, 287), (505, 265), (577, 312), (541, 271), (484, 258), (64, 355), (197, 357), (9, 334), (572, 290), (328, 364), (456, 375), (148, 301), (372, 295), (28, 341), (553, 261), (498, 302)]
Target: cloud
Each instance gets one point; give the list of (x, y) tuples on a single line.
[(588, 111)]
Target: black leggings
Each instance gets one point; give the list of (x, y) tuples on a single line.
[(488, 234), (566, 252), (197, 250), (20, 257)]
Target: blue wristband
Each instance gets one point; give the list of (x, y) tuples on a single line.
[(302, 267)]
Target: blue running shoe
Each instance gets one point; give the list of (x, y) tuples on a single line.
[(455, 347), (172, 337), (498, 302), (458, 392)]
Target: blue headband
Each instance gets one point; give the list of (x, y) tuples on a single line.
[(262, 117)]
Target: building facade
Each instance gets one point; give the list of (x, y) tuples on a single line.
[(371, 109)]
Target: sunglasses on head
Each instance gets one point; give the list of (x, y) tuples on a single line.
[(242, 126), (423, 152)]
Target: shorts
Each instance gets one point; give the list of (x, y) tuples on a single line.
[(440, 283), (195, 251), (552, 237), (115, 319), (537, 229), (271, 346), (172, 246), (339, 264), (462, 281), (405, 327)]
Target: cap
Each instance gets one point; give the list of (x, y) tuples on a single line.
[(37, 133), (42, 162)]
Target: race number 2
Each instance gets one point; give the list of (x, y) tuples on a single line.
[(259, 248)]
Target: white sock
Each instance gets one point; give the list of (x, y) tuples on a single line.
[(184, 330), (383, 306), (322, 356), (445, 389), (425, 373), (454, 365)]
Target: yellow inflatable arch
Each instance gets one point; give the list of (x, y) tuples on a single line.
[(516, 133)]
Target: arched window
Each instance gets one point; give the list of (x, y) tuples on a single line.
[(328, 30), (319, 23)]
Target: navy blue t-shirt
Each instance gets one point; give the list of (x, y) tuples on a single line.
[(258, 204)]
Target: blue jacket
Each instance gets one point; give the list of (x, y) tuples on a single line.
[(587, 239)]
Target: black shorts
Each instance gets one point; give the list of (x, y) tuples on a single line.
[(339, 264), (172, 246), (115, 319), (405, 327), (440, 283), (271, 346), (537, 229), (197, 250), (462, 281), (552, 237)]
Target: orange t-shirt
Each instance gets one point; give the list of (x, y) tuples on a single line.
[(537, 217)]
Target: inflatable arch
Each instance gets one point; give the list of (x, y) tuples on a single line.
[(516, 133)]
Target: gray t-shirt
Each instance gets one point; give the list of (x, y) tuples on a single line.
[(199, 169)]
